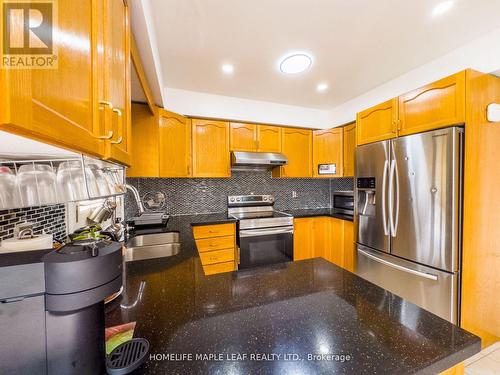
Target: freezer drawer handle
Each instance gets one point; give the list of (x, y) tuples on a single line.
[(398, 267)]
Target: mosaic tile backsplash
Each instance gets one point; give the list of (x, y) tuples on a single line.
[(51, 219), (200, 195)]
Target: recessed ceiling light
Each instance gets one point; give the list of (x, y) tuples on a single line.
[(227, 68), (442, 7), (323, 86), (296, 62)]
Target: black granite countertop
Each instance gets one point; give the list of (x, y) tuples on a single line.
[(278, 320), (316, 212)]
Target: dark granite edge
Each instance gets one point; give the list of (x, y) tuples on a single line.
[(16, 258), (448, 361), (321, 212)]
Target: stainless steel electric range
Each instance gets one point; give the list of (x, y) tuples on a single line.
[(265, 236)]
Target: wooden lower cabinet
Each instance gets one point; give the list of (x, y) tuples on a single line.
[(216, 245), (325, 237), (349, 251)]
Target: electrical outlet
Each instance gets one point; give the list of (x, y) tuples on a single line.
[(294, 194)]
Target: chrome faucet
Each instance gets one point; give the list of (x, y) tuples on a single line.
[(137, 197)]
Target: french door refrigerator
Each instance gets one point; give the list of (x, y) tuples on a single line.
[(409, 193)]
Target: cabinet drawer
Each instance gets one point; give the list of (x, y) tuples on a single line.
[(219, 268), (217, 256), (216, 243), (219, 230)]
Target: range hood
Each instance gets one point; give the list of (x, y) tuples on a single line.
[(257, 159)]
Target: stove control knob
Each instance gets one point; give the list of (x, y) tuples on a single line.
[(238, 199), (231, 199), (265, 199)]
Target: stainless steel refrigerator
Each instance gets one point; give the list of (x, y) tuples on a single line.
[(409, 194)]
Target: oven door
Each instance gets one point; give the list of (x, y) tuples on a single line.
[(265, 246)]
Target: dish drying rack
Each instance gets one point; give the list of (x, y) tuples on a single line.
[(115, 172)]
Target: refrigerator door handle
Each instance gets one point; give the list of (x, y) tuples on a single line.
[(393, 185), (384, 188), (398, 267)]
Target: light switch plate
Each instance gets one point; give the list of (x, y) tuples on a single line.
[(493, 112)]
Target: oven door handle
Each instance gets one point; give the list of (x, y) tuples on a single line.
[(265, 232)]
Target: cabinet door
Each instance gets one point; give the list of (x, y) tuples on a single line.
[(349, 248), (58, 106), (302, 238), (297, 146), (175, 145), (436, 105), (268, 138), (377, 123), (349, 149), (117, 80), (243, 137), (337, 248), (145, 143), (328, 149), (210, 148), (321, 237)]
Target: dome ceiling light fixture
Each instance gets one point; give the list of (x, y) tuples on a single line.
[(295, 63)]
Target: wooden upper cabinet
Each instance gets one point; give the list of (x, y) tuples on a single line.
[(268, 138), (243, 137), (439, 104), (175, 145), (349, 149), (328, 149), (58, 106), (210, 148), (377, 123), (145, 143), (296, 144), (117, 80)]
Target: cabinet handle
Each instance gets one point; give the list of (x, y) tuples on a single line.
[(120, 139), (110, 133), (105, 137), (106, 103)]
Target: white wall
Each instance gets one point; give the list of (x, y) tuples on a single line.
[(200, 104), (482, 54)]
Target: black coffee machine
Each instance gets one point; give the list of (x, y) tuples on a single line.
[(61, 330)]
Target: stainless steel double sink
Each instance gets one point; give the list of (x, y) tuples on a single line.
[(150, 246)]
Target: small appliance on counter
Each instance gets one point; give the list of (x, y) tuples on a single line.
[(153, 218), (52, 309), (265, 236), (25, 240)]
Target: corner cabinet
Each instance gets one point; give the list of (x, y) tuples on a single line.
[(69, 106), (175, 145), (296, 144), (441, 103), (377, 123), (210, 148), (349, 149), (328, 149)]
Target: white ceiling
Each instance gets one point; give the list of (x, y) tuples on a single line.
[(357, 44)]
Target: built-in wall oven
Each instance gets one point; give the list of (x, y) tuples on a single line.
[(265, 236)]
